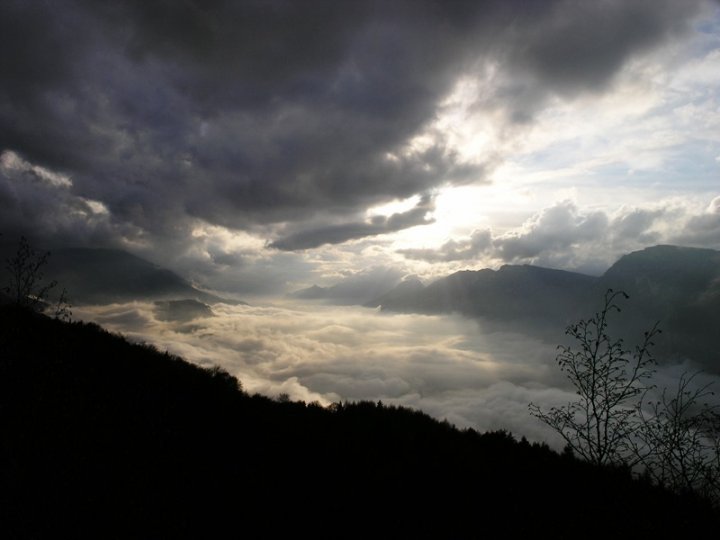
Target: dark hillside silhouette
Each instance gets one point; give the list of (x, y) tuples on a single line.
[(106, 439), (112, 275)]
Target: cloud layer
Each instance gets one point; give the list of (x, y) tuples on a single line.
[(444, 365), (447, 366)]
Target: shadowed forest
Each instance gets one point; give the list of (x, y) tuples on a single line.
[(105, 438)]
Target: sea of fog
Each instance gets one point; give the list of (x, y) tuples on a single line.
[(448, 366)]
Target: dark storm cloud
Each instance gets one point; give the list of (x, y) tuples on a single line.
[(252, 113), (576, 47), (39, 203), (336, 234), (583, 44)]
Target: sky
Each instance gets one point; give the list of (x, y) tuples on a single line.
[(259, 147), (265, 146)]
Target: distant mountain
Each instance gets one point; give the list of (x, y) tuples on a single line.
[(102, 438), (667, 276), (96, 276), (679, 287), (312, 293), (403, 294), (511, 294), (357, 288)]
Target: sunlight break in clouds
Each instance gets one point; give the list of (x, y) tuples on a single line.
[(601, 146)]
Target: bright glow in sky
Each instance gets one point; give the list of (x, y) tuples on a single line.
[(627, 146)]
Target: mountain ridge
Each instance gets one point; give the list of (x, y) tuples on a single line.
[(104, 275), (510, 292), (677, 287)]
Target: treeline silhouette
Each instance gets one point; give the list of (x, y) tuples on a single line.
[(103, 438)]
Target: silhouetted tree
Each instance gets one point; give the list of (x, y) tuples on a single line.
[(61, 309), (26, 286), (25, 269), (678, 438), (673, 438), (608, 378)]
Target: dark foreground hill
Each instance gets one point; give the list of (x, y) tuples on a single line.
[(105, 439)]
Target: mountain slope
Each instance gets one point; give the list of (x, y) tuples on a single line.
[(102, 438), (110, 275), (356, 288), (512, 294), (679, 288), (666, 276)]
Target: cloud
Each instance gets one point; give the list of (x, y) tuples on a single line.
[(452, 250), (580, 46), (336, 234), (39, 202), (448, 366), (565, 236), (714, 206), (702, 230), (256, 115), (10, 161), (556, 228)]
